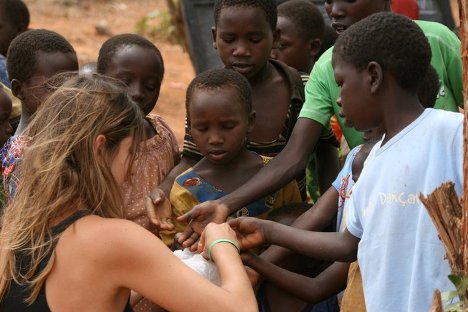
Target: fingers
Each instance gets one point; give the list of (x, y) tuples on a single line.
[(192, 241), (151, 211)]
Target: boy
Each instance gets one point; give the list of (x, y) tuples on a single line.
[(33, 57), (14, 19), (301, 27), (320, 104), (400, 254)]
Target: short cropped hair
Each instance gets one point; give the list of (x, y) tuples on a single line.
[(267, 6), (394, 41), (17, 12), (21, 57), (306, 17), (213, 79), (110, 47)]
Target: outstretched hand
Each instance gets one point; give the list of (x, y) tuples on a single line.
[(198, 218), (250, 232), (159, 210)]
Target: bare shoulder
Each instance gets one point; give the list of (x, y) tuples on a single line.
[(104, 237)]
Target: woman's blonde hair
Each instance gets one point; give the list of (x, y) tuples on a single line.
[(60, 171)]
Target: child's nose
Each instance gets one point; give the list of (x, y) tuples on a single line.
[(136, 93), (335, 9), (215, 138), (274, 53), (242, 49)]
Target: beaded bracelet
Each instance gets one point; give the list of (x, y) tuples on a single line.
[(222, 240)]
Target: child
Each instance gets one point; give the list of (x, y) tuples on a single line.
[(64, 231), (5, 110), (5, 131), (331, 281), (301, 28), (320, 104), (400, 255), (272, 297), (220, 117), (139, 65), (33, 57), (14, 19), (244, 34)]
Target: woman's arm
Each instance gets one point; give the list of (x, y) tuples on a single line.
[(142, 262)]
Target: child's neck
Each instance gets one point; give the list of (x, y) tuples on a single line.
[(230, 176), (23, 123), (149, 129), (262, 76), (397, 117)]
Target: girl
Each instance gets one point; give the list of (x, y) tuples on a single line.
[(64, 230), (220, 117), (138, 63)]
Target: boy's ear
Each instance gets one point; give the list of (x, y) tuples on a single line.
[(276, 37), (375, 76), (251, 123), (213, 34), (315, 46), (17, 89), (98, 147)]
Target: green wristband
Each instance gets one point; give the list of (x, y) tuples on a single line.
[(222, 240)]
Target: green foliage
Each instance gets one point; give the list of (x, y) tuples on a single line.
[(460, 280), (158, 25)]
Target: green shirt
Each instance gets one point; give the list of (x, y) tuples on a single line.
[(321, 90)]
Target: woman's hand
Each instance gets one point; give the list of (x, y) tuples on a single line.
[(212, 232)]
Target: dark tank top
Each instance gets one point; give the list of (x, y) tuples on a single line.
[(14, 300)]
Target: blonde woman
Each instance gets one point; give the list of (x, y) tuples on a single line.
[(63, 246)]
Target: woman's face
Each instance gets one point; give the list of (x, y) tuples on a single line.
[(121, 160)]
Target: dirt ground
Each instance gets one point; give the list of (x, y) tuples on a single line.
[(76, 22)]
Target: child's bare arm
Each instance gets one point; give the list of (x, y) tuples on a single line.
[(328, 283), (314, 219), (278, 172), (252, 232)]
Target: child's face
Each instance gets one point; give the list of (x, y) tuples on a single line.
[(357, 107), (5, 110), (34, 91), (344, 13), (292, 49), (219, 123), (141, 70), (7, 33), (244, 39)]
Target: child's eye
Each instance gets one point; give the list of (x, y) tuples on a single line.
[(151, 87), (228, 39), (255, 39)]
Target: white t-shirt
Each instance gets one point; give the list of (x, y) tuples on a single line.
[(400, 255)]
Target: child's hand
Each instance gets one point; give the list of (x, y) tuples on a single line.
[(249, 231), (159, 210), (197, 219), (254, 278)]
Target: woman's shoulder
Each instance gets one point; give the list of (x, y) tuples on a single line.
[(106, 235)]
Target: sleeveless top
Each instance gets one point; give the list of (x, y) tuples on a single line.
[(14, 300)]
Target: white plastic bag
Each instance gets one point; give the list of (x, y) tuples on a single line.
[(199, 264)]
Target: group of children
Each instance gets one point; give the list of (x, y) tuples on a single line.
[(251, 129)]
